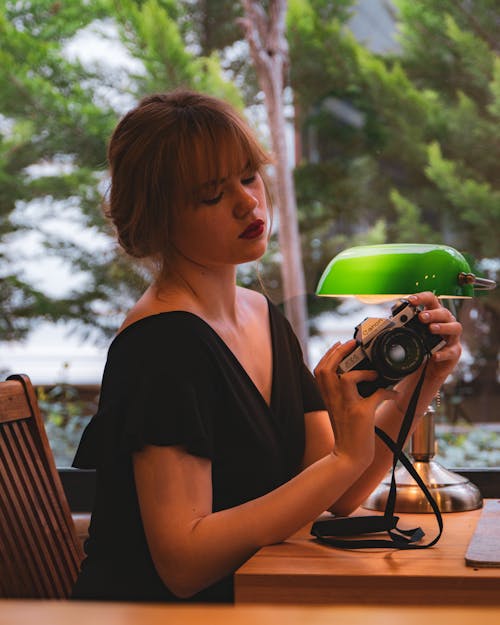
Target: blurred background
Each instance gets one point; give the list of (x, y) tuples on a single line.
[(392, 126)]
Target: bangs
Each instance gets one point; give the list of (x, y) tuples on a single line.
[(209, 152)]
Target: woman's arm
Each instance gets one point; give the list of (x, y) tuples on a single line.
[(193, 547), (390, 414)]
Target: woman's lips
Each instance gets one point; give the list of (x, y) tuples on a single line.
[(254, 230)]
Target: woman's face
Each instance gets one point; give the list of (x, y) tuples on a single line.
[(227, 225)]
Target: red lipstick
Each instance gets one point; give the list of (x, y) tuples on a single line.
[(254, 230)]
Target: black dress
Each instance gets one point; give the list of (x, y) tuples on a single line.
[(171, 380)]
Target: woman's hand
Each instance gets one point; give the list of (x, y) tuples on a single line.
[(352, 416), (439, 320)]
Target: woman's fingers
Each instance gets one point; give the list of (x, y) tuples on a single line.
[(451, 351), (333, 357), (346, 385), (381, 395), (451, 328), (440, 321), (425, 298)]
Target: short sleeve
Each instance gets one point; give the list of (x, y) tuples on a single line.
[(311, 395), (173, 411), (156, 412), (156, 400)]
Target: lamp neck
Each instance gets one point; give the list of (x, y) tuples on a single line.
[(483, 284)]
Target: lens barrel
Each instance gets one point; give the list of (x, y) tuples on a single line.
[(397, 353)]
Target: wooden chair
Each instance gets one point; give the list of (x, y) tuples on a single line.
[(40, 553)]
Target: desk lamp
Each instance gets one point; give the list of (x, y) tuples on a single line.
[(378, 273)]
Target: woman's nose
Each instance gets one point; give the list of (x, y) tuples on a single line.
[(244, 202)]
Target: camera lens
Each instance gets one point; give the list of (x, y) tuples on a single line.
[(397, 353)]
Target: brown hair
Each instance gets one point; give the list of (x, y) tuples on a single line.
[(160, 154)]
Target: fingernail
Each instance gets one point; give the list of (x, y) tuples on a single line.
[(425, 316), (413, 298), (435, 327)]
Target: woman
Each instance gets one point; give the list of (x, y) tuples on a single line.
[(212, 438)]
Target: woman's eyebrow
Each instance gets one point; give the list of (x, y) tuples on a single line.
[(211, 184), (216, 183)]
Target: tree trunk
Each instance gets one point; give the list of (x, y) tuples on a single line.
[(265, 34)]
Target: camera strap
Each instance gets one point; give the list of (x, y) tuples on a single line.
[(329, 531)]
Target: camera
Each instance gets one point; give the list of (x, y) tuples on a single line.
[(393, 347)]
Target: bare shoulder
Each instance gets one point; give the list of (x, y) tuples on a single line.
[(151, 303), (254, 301)]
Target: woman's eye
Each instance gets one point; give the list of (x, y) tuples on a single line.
[(249, 180), (213, 200)]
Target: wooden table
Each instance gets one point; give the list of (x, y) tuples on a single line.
[(14, 612), (303, 571)]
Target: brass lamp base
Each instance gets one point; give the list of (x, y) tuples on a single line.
[(451, 491)]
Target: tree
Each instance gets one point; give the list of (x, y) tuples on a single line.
[(55, 118), (339, 188), (213, 22), (403, 146), (48, 117), (152, 32), (458, 41), (265, 34), (401, 138)]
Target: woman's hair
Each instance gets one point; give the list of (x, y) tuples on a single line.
[(160, 154)]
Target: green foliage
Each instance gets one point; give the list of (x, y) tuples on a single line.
[(422, 155), (468, 446), (477, 201), (322, 52), (419, 162), (48, 118), (151, 31), (449, 46), (409, 225), (400, 146), (65, 414), (213, 24), (494, 105), (55, 119)]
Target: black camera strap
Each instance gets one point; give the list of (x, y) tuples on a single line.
[(329, 531)]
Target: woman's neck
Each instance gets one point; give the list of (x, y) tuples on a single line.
[(210, 292)]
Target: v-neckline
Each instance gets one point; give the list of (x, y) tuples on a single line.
[(242, 368), (237, 361), (233, 356)]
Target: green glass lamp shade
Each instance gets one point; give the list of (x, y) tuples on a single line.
[(392, 271)]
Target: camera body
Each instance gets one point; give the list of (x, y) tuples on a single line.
[(393, 347)]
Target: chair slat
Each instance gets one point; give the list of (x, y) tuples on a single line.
[(17, 528), (51, 472), (40, 539), (40, 553), (58, 513), (41, 489)]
